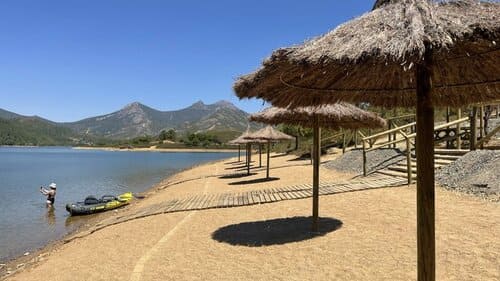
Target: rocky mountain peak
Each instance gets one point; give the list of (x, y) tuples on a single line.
[(198, 105)]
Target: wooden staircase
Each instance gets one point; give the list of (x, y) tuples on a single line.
[(442, 157)]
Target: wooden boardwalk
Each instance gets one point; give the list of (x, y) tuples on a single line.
[(246, 198)]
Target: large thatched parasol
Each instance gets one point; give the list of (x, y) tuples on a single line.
[(335, 116), (403, 53), (268, 134), (374, 58)]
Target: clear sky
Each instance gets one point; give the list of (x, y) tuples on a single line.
[(67, 60)]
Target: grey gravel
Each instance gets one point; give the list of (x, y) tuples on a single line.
[(477, 173), (352, 161)]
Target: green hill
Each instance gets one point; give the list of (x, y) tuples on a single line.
[(34, 131)]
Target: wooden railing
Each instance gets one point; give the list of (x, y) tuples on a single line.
[(407, 136)]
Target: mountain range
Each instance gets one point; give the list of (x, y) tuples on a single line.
[(133, 120)]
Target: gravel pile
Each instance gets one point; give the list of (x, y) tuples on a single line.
[(477, 172), (352, 161)]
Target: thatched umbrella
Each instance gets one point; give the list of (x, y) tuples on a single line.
[(243, 139), (335, 116), (403, 53), (268, 134), (234, 142)]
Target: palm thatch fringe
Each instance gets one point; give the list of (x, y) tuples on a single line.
[(372, 58), (334, 116)]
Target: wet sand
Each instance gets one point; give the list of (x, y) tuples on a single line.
[(367, 235)]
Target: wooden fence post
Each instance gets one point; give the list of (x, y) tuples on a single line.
[(473, 128), (459, 140)]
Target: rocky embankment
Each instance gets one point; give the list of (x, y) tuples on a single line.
[(352, 161), (477, 172)]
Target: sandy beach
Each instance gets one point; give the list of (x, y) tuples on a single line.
[(366, 235)]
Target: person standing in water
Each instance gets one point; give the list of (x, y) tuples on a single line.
[(51, 194)]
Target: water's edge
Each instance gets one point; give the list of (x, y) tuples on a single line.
[(21, 262)]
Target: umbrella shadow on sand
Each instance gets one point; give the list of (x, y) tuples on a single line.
[(260, 180), (274, 232), (236, 176)]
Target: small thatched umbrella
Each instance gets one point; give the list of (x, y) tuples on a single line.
[(403, 53), (268, 134), (243, 139), (235, 142), (335, 116)]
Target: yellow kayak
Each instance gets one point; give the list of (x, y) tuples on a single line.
[(92, 205)]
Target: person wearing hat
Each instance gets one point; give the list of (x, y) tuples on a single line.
[(51, 194)]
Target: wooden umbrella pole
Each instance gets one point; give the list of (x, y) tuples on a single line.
[(268, 152), (260, 155), (249, 149), (246, 154), (425, 170), (316, 158), (239, 153)]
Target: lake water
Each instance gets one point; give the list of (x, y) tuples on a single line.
[(25, 222)]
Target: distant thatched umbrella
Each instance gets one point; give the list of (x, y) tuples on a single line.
[(403, 53), (268, 134), (239, 141), (335, 116), (243, 139)]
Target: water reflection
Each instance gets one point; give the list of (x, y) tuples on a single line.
[(50, 216)]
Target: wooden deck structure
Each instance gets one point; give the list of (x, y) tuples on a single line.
[(247, 198)]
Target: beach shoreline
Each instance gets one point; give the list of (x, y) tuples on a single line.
[(154, 149), (33, 256)]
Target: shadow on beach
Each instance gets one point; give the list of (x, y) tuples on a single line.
[(238, 167), (274, 231), (279, 155), (253, 181), (236, 176)]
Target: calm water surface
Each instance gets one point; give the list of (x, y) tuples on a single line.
[(25, 222)]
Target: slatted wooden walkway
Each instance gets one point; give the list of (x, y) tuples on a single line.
[(246, 198)]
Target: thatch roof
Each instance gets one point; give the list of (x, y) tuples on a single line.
[(244, 139), (372, 58), (241, 139), (268, 134), (335, 116)]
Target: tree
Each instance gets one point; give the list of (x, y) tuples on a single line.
[(167, 135)]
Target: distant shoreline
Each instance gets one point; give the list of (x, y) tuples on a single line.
[(153, 149)]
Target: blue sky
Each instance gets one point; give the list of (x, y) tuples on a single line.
[(67, 60)]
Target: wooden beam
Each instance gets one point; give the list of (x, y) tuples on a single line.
[(343, 141), (316, 160), (488, 136), (364, 157), (481, 124), (389, 136), (268, 153), (459, 140), (239, 152), (355, 138), (473, 129), (249, 149), (260, 155), (425, 170), (448, 143)]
